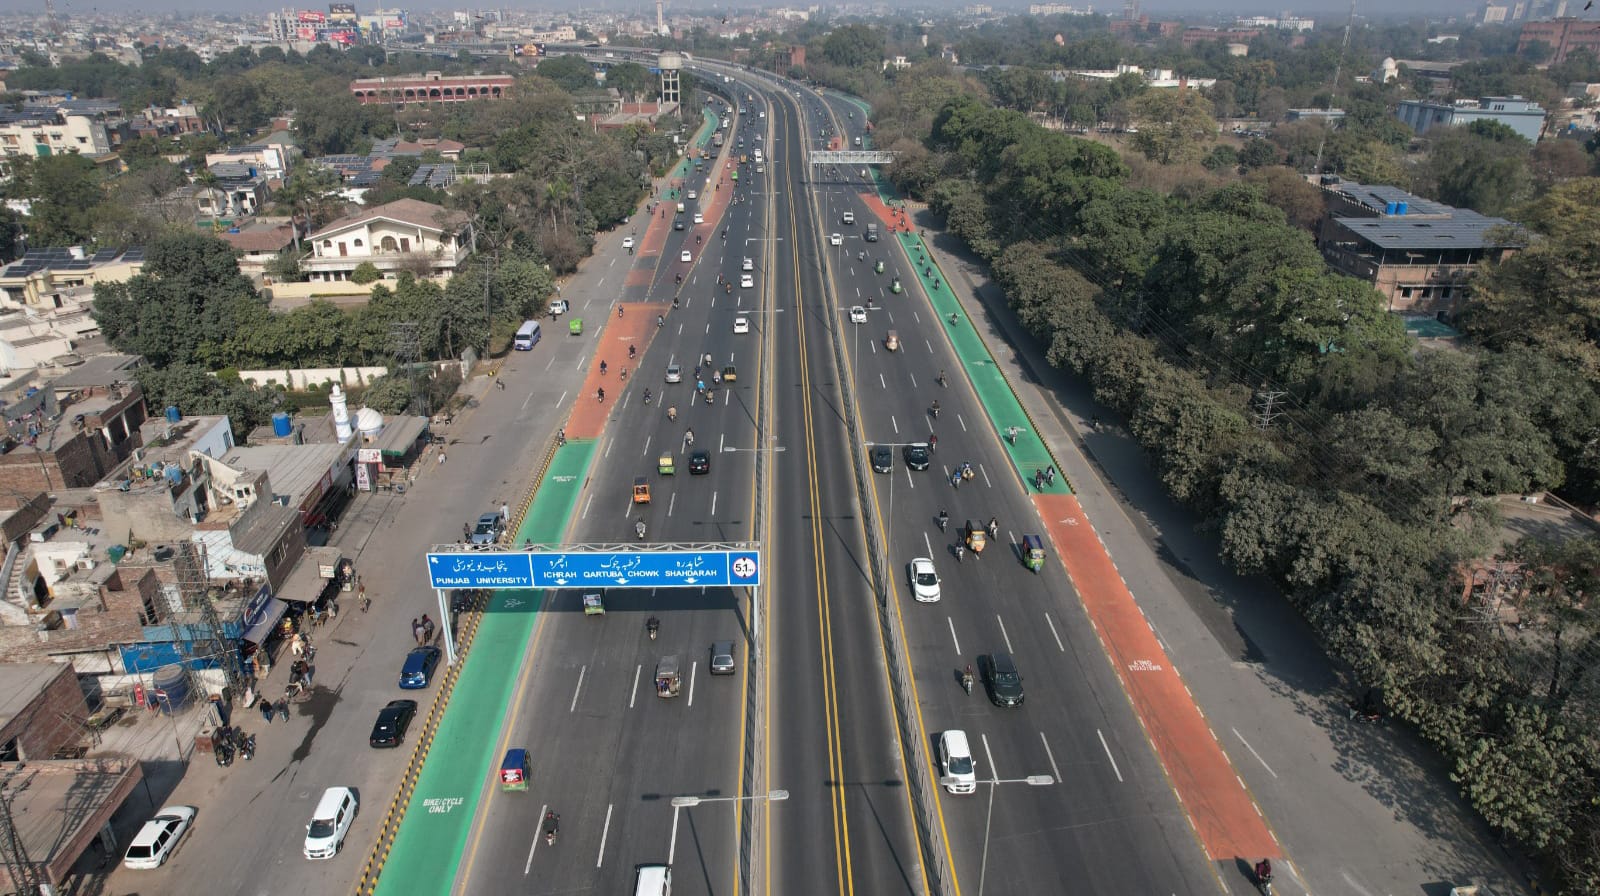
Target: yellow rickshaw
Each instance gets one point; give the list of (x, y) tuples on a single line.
[(641, 490), (1033, 552), (975, 537), (665, 465), (730, 373)]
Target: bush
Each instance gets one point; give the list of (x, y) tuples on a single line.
[(366, 272)]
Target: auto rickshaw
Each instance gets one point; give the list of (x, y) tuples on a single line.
[(514, 770), (641, 490), (594, 604), (1033, 552), (878, 267), (730, 373), (667, 681), (892, 341), (975, 537), (666, 465), (575, 326), (895, 287)]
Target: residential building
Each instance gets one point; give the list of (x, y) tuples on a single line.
[(406, 234), (1418, 253), (65, 277), (431, 87), (271, 157), (53, 442), (41, 131), (1157, 78), (1562, 35), (233, 190), (258, 241), (1524, 116)]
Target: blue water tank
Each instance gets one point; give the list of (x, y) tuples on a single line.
[(173, 414), (173, 473), (280, 424), (1401, 209), (170, 687), (1388, 207)]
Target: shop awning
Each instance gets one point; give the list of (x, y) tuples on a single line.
[(258, 629), (400, 436)]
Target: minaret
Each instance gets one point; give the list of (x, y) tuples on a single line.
[(341, 413), (661, 20)]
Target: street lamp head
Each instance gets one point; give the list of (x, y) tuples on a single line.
[(685, 802), (1040, 780), (777, 795)]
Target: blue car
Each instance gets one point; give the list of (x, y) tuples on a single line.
[(418, 670)]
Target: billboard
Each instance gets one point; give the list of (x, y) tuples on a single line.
[(394, 24), (712, 567), (309, 34), (341, 12), (313, 16)]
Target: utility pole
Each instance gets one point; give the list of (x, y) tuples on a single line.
[(194, 588), (1267, 403), (403, 337), (1338, 68), (25, 875)]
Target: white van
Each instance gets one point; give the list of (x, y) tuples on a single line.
[(527, 336), (757, 155), (957, 772), (747, 265), (652, 880), (330, 823)]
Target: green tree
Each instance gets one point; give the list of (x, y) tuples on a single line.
[(1174, 125), (1258, 153), (186, 302), (195, 391), (853, 46), (366, 272), (572, 73), (64, 191), (1483, 166)]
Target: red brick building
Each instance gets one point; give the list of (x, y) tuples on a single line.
[(432, 87), (1563, 36)]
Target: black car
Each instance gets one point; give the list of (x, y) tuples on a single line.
[(699, 462), (918, 456), (1005, 682), (882, 459), (393, 720)]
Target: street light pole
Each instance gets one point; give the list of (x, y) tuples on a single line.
[(1032, 781), (689, 802)]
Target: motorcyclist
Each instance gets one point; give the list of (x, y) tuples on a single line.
[(994, 527), (633, 350), (944, 520), (934, 408), (942, 380), (661, 321), (1264, 871), (647, 396), (966, 678), (600, 394), (602, 368), (638, 528), (652, 625)]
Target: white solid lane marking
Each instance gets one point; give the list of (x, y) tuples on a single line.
[(713, 505), (1107, 747), (578, 689), (1052, 756), (1004, 635), (525, 401), (634, 693), (994, 772), (600, 857), (587, 503), (528, 866), (1052, 623), (1253, 752), (953, 638), (693, 667)]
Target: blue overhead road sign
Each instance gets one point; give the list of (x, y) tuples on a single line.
[(595, 569)]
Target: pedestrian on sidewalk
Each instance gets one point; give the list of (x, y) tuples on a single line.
[(297, 645), (283, 709), (505, 512), (427, 629), (441, 457), (266, 710), (466, 532)]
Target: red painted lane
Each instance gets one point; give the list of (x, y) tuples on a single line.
[(1222, 812), (635, 327)]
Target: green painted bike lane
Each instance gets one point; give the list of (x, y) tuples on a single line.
[(1026, 451), (443, 806)]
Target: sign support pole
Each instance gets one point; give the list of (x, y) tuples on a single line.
[(447, 624)]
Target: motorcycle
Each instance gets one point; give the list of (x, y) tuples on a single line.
[(247, 747), (653, 626), (638, 529), (647, 396), (934, 410), (966, 681), (552, 823)]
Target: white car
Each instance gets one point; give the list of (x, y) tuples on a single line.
[(158, 838), (957, 772), (699, 218), (674, 373), (924, 580), (746, 281), (685, 257), (693, 195), (848, 217), (835, 239), (858, 314), (627, 242), (747, 265), (330, 822), (741, 324)]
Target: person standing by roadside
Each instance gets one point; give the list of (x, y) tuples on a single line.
[(416, 630), (283, 709), (266, 710), (427, 629)]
